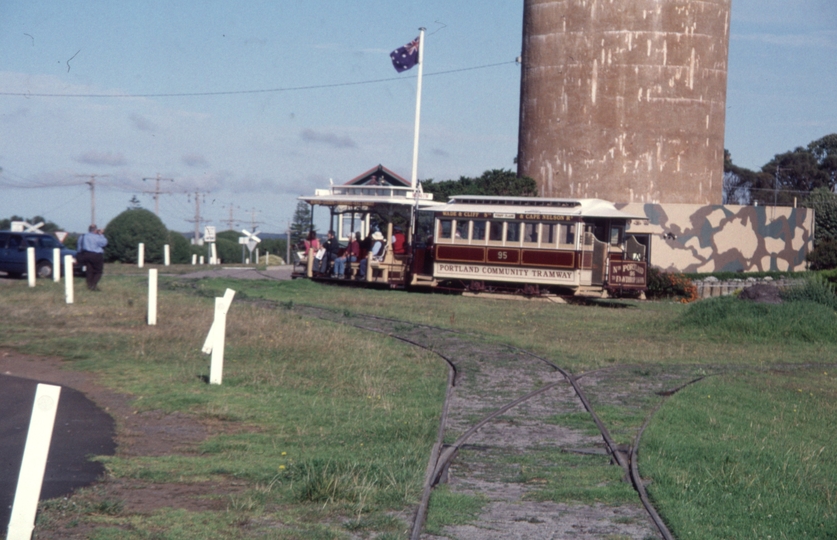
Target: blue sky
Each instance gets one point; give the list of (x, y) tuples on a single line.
[(257, 151)]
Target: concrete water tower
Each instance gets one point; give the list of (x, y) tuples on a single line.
[(625, 99)]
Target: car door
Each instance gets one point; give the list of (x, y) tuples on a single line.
[(15, 255), (4, 238)]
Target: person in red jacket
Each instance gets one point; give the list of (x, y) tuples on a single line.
[(399, 242)]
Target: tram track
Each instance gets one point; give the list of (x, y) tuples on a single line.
[(443, 455)]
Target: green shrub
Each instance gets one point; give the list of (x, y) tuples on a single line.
[(130, 228), (815, 289), (182, 249), (824, 256)]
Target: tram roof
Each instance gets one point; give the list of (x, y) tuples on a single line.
[(366, 196), (535, 206)]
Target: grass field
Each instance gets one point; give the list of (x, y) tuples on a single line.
[(333, 427)]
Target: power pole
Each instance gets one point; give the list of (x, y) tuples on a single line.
[(231, 221), (253, 221), (198, 219), (92, 184), (156, 193)]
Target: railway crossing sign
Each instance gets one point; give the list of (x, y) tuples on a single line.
[(25, 227), (250, 239)]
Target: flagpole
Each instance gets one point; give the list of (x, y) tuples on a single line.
[(414, 179)]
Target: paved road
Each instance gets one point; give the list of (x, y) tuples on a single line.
[(81, 429)]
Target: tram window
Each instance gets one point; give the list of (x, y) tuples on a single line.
[(567, 235), (445, 228), (462, 230), (530, 233), (495, 231), (548, 231), (478, 232), (513, 232)]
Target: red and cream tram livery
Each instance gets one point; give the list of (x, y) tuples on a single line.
[(535, 245)]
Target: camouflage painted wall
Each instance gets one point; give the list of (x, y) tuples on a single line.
[(624, 100), (716, 238)]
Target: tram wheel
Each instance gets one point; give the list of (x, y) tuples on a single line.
[(476, 286)]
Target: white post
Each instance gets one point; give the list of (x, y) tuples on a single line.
[(247, 260), (414, 177), (30, 265), (166, 255), (68, 278), (35, 454), (56, 264), (214, 258), (201, 260), (141, 255), (266, 257), (216, 338), (257, 255), (195, 259), (152, 296)]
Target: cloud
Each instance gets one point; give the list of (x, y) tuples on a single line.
[(194, 160), (93, 157), (330, 139), (142, 123)]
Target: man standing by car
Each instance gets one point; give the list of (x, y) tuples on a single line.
[(91, 253)]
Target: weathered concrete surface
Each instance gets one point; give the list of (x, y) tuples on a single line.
[(625, 100), (725, 238)]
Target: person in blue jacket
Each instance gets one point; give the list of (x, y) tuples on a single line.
[(91, 249)]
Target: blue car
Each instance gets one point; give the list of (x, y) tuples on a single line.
[(13, 253)]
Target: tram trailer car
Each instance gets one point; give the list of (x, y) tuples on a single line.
[(521, 245), (533, 246)]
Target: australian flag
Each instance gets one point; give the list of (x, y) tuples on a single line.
[(403, 58)]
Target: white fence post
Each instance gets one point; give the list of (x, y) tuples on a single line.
[(30, 265), (141, 255), (194, 259), (68, 278), (216, 338), (35, 454), (152, 296), (213, 259), (201, 260), (56, 264), (166, 255)]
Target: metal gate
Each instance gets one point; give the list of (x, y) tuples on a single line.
[(599, 267)]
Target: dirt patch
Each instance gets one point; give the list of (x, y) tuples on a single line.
[(149, 433)]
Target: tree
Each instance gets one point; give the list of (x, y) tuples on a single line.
[(301, 224), (130, 228), (228, 248), (181, 249), (492, 182)]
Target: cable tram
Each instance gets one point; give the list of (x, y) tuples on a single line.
[(484, 244)]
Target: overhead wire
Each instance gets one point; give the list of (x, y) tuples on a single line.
[(256, 91)]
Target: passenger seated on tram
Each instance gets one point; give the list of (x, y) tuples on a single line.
[(332, 247), (377, 252), (350, 254), (399, 242)]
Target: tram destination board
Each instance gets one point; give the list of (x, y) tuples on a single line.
[(628, 274)]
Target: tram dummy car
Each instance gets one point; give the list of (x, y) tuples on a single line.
[(483, 244)]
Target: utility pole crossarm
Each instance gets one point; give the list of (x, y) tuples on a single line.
[(157, 192)]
